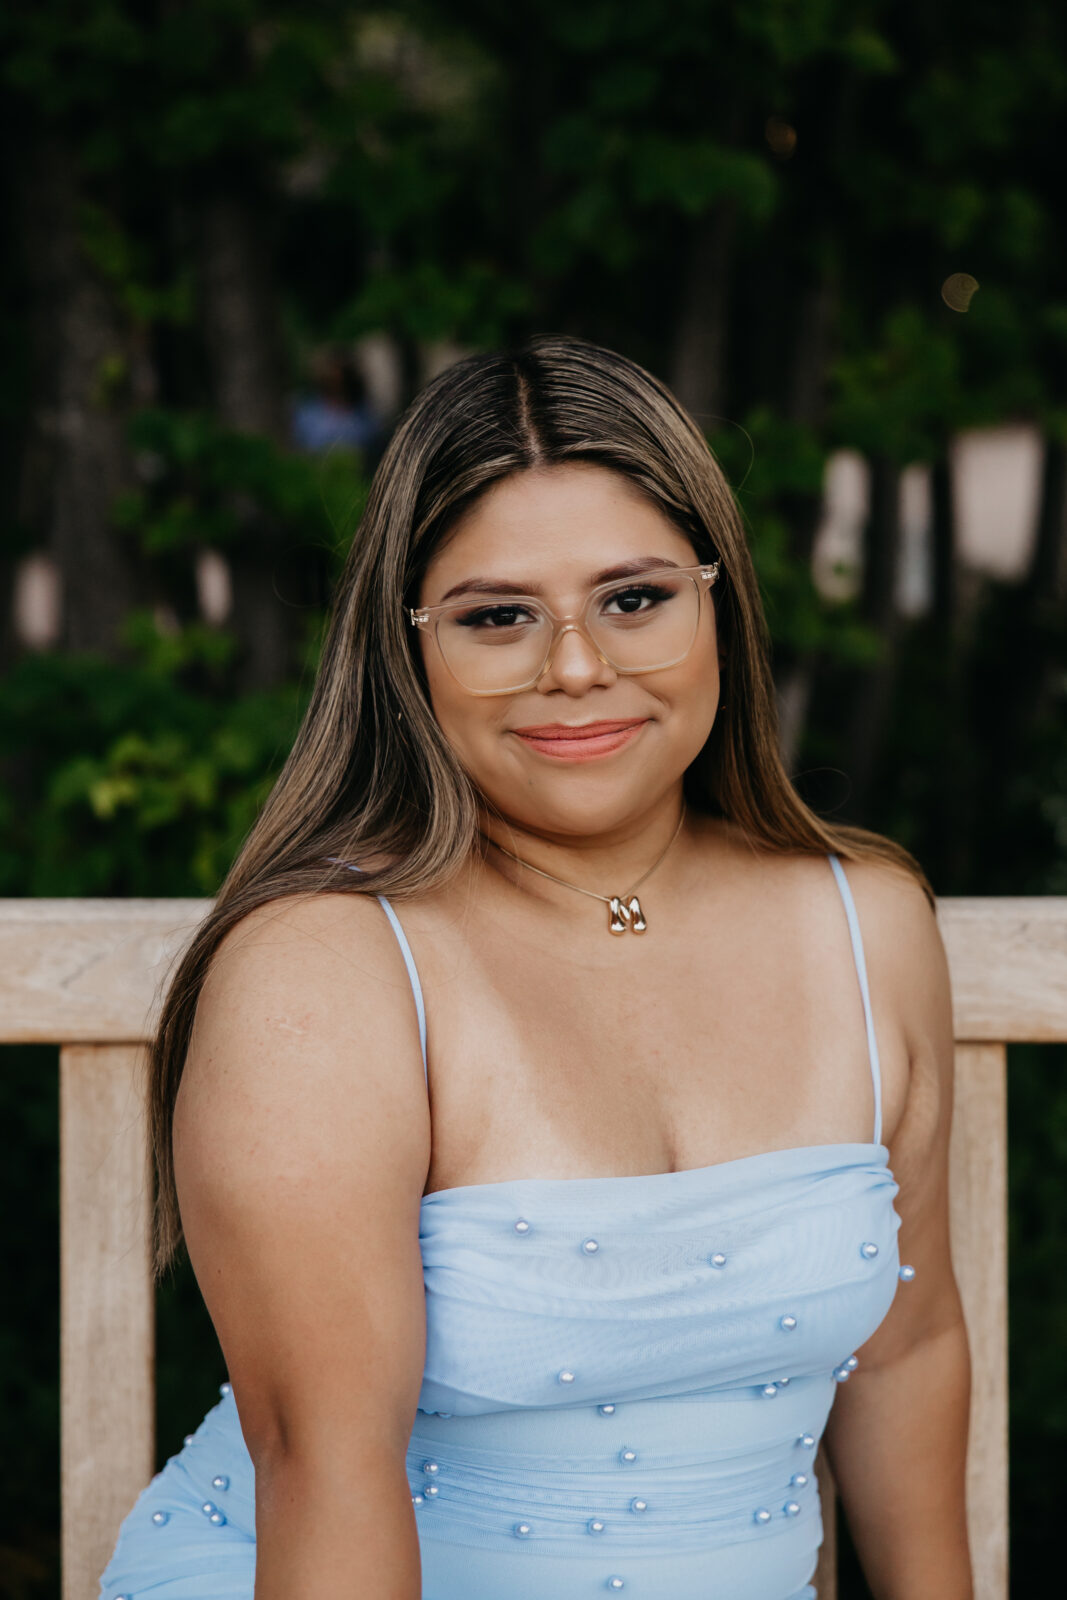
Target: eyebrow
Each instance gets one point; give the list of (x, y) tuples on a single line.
[(623, 569)]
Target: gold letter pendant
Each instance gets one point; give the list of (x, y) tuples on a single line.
[(626, 914)]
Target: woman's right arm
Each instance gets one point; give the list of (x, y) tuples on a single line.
[(301, 1147)]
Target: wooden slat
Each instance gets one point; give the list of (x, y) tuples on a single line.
[(1008, 960), (88, 970), (106, 1304), (978, 1219), (75, 970), (978, 1192)]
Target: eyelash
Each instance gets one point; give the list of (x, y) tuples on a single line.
[(650, 591)]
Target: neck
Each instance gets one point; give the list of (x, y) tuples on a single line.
[(605, 863)]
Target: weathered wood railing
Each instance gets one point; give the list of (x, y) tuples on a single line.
[(88, 974)]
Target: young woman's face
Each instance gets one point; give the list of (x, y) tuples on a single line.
[(552, 532)]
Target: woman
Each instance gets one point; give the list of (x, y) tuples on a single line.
[(580, 1329)]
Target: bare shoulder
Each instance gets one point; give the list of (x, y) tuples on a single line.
[(305, 1033), (905, 950), (304, 989), (301, 1146)]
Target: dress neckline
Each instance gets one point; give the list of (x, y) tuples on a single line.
[(876, 1155)]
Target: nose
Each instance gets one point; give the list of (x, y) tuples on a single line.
[(573, 664)]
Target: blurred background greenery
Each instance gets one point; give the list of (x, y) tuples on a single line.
[(241, 234)]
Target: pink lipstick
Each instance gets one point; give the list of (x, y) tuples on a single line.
[(583, 741)]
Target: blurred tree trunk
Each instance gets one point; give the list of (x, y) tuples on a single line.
[(241, 323), (1038, 666), (805, 405), (878, 607), (952, 786), (944, 584), (1048, 573), (698, 363), (75, 459)]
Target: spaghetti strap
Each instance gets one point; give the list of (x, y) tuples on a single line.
[(416, 987), (861, 969), (409, 962)]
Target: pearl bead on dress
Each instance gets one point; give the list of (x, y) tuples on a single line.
[(522, 1226), (869, 1249), (806, 1441), (638, 1505), (798, 1480), (627, 1455), (595, 1525), (606, 1410), (615, 1583), (791, 1508), (522, 1530), (221, 1482), (590, 1246), (160, 1517), (906, 1274), (788, 1322), (718, 1259), (566, 1376), (769, 1389), (761, 1515)]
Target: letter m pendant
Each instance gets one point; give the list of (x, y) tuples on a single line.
[(625, 914)]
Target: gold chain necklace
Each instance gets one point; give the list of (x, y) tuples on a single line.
[(624, 910)]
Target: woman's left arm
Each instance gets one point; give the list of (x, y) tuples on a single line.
[(896, 1438)]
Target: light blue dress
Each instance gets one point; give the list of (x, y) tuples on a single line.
[(625, 1385)]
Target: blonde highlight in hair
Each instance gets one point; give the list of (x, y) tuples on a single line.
[(371, 778)]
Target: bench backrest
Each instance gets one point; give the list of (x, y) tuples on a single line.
[(88, 975)]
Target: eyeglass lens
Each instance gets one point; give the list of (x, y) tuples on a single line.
[(638, 626)]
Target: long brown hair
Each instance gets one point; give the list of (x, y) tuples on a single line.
[(371, 778)]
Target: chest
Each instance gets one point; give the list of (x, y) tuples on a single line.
[(608, 1055)]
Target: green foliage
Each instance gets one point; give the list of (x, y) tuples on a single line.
[(207, 485), (137, 778)]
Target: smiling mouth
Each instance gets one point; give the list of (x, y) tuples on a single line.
[(580, 730), (583, 742)]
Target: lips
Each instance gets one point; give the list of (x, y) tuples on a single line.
[(582, 730), (586, 741)]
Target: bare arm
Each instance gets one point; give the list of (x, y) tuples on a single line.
[(897, 1433), (301, 1143)]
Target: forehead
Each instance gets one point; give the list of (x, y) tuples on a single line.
[(576, 516)]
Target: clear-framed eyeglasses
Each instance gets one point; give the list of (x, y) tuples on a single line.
[(634, 625)]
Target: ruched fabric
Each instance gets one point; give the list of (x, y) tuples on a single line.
[(625, 1385)]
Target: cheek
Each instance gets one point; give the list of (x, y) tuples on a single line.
[(697, 677)]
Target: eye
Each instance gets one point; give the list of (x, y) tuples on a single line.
[(632, 599), (492, 617)]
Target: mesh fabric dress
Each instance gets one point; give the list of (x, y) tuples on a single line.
[(625, 1384)]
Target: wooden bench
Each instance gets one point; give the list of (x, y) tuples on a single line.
[(88, 975)]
